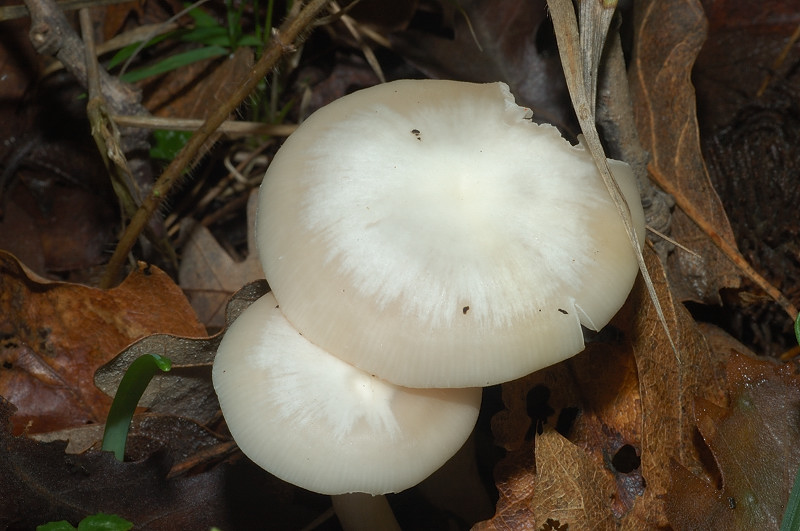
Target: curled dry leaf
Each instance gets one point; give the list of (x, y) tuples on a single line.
[(186, 390), (756, 445), (55, 334), (624, 404), (668, 38)]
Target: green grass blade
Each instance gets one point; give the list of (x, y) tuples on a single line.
[(797, 329), (791, 518), (130, 390), (124, 53), (174, 62)]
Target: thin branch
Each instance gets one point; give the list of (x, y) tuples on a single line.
[(778, 61), (228, 127), (281, 43), (21, 11), (51, 34)]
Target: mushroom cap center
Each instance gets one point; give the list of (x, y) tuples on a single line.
[(430, 233)]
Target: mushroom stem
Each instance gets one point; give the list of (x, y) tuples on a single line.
[(358, 511), (457, 489)]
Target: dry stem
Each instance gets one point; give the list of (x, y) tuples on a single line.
[(290, 31)]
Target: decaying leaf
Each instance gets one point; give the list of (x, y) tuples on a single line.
[(209, 275), (55, 334), (756, 444), (668, 38)]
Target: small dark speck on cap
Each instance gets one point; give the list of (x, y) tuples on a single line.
[(464, 310), (563, 311)]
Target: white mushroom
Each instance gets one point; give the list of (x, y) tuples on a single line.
[(320, 423), (430, 233)]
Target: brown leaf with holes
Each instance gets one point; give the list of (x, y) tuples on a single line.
[(55, 334), (624, 404), (209, 275), (668, 38), (756, 445), (668, 384), (572, 488)]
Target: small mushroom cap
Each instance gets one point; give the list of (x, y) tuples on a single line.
[(429, 232), (324, 425)]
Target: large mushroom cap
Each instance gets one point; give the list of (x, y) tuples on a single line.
[(430, 233), (319, 423)]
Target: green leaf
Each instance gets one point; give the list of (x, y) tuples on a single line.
[(216, 36), (167, 144), (797, 329), (95, 522), (174, 62), (104, 522), (203, 19), (61, 525), (130, 390)]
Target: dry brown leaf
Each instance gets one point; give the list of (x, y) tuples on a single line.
[(570, 489), (669, 35), (721, 342), (756, 445), (209, 275), (55, 334)]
